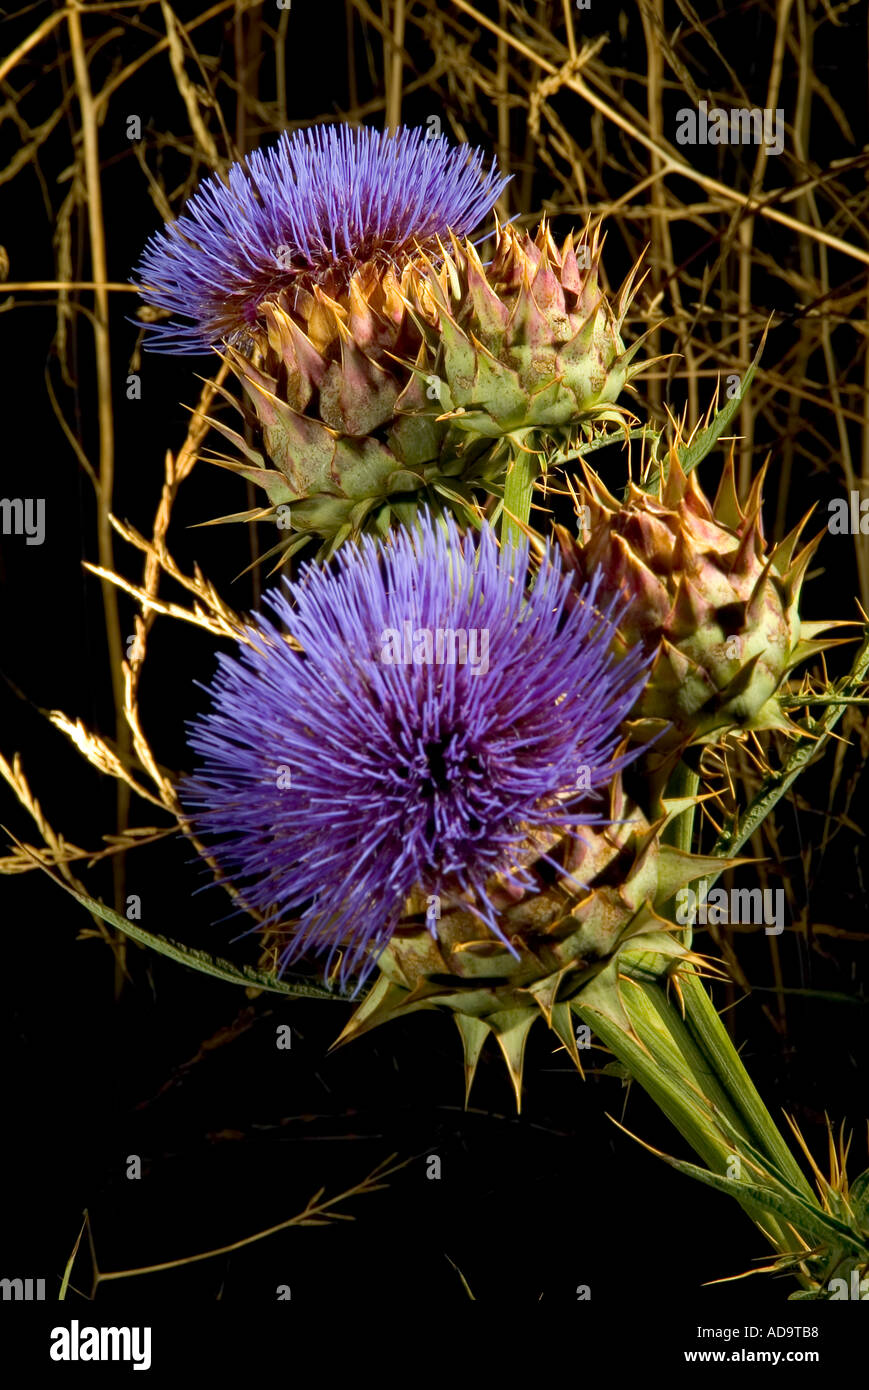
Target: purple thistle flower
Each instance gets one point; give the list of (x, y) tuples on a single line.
[(307, 211), (376, 761)]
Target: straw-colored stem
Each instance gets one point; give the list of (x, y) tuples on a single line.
[(504, 159), (39, 33), (106, 421), (767, 208), (396, 67)]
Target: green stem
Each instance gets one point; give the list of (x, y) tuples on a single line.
[(679, 833), (663, 1057), (684, 781), (615, 436), (692, 1072), (713, 1039), (683, 1056), (522, 474)]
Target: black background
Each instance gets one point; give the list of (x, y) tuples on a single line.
[(529, 1207)]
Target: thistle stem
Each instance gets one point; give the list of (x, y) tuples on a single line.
[(685, 1060), (518, 489), (684, 781), (705, 1025), (679, 832), (663, 1056)]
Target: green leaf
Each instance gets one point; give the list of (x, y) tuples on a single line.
[(812, 1222), (67, 1273), (690, 455), (196, 959), (705, 1026), (602, 442), (639, 1038), (775, 786), (858, 1196)]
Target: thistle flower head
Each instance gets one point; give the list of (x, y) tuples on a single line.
[(309, 211), (436, 710)]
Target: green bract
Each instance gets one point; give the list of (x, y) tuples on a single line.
[(720, 606), (417, 387), (529, 342), (339, 452), (565, 935)]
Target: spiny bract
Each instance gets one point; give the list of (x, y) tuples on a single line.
[(529, 342), (491, 359), (345, 446), (598, 894), (718, 608)]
